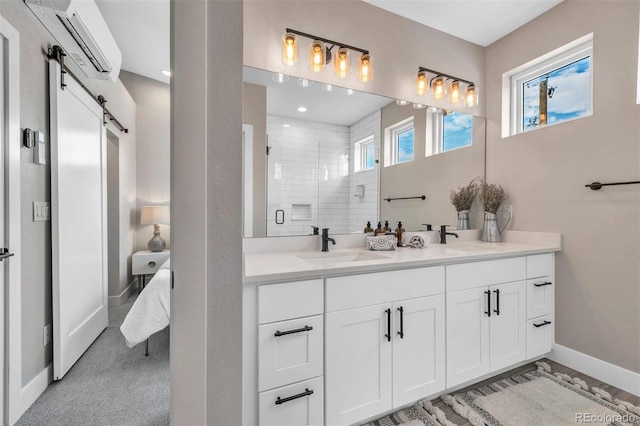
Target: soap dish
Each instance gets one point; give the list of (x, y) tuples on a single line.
[(382, 242)]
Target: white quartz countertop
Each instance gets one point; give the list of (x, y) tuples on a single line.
[(283, 266)]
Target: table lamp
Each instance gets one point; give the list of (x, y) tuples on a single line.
[(155, 215)]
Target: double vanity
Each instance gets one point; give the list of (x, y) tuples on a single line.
[(342, 337)]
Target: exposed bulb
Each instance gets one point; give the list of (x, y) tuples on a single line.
[(455, 93), (342, 66), (317, 58), (439, 88), (289, 50), (422, 85), (471, 96), (365, 69)]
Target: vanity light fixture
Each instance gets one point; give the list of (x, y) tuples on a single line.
[(320, 55), (441, 84), (401, 102), (419, 106)]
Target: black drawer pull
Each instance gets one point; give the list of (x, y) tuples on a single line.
[(488, 311), (152, 264), (297, 330), (540, 325), (497, 309), (543, 284), (306, 392)]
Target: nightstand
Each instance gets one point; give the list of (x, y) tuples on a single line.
[(146, 262)]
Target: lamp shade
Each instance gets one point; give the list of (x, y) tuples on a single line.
[(153, 215)]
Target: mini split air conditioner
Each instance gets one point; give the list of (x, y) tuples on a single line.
[(82, 33)]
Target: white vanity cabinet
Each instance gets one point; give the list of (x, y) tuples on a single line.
[(291, 353), (384, 342), (486, 317)]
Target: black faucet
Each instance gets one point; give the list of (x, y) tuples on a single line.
[(444, 233), (315, 230), (428, 225), (326, 239)]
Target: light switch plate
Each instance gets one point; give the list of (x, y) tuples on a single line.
[(41, 211), (46, 334)]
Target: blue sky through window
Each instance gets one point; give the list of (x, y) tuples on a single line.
[(405, 145), (568, 94), (368, 157), (457, 130)]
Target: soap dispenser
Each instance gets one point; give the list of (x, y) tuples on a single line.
[(368, 228), (400, 234), (386, 228), (379, 230)]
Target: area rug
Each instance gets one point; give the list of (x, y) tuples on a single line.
[(540, 398)]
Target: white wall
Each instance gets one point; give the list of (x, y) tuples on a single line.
[(545, 172), (153, 124)]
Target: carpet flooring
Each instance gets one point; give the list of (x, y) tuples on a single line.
[(110, 384)]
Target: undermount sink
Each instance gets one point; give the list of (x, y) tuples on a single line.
[(322, 258)]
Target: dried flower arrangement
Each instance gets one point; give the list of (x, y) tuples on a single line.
[(463, 197), (492, 195)]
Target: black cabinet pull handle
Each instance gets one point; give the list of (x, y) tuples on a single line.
[(401, 332), (388, 335), (279, 217), (540, 325), (488, 311), (497, 309), (306, 392), (297, 330), (542, 284)]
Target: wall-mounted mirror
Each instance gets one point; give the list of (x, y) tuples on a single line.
[(314, 155)]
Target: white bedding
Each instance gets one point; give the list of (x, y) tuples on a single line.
[(150, 312)]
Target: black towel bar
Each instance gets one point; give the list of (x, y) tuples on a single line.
[(597, 185), (422, 197)]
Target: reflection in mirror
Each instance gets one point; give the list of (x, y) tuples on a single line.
[(315, 133), (317, 153)]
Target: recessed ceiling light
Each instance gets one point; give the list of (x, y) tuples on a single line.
[(302, 109), (286, 125), (167, 73)]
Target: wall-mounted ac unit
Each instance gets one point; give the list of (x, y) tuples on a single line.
[(82, 33)]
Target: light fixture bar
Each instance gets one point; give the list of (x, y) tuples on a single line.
[(441, 74), (326, 40)]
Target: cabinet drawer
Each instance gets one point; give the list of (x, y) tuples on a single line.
[(289, 351), (539, 265), (478, 274), (305, 408), (539, 336), (285, 301), (143, 263), (540, 292), (356, 291)]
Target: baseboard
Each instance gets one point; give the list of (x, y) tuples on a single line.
[(126, 293), (32, 391), (619, 377)]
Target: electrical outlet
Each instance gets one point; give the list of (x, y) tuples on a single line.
[(46, 334), (504, 215)]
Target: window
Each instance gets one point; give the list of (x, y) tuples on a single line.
[(364, 156), (451, 130), (399, 142), (554, 88)]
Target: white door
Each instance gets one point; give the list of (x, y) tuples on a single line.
[(3, 207), (78, 221), (507, 328), (418, 349), (467, 335), (357, 364)]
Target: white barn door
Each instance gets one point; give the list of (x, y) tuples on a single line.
[(78, 221)]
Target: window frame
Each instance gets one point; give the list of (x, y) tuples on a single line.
[(435, 121), (558, 58), (392, 133), (360, 154)]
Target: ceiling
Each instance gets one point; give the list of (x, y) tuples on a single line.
[(141, 27)]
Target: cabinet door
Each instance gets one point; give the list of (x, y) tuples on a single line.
[(467, 335), (418, 349), (508, 324), (357, 364)]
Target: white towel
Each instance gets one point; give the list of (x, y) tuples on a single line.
[(418, 239)]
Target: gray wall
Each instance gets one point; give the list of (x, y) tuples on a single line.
[(35, 182), (206, 166), (598, 295), (255, 113), (153, 122)]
